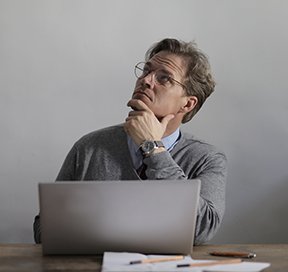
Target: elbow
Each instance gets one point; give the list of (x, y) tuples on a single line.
[(207, 225), (37, 230)]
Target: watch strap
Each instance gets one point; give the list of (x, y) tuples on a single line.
[(159, 144), (154, 144)]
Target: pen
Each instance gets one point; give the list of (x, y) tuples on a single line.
[(230, 261), (237, 254), (156, 260)]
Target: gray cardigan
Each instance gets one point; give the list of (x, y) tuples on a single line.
[(104, 155)]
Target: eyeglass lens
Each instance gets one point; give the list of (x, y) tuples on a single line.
[(160, 76), (142, 70)]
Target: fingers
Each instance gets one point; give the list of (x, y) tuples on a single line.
[(133, 114), (130, 117), (138, 109), (165, 120), (137, 104), (142, 124), (136, 114)]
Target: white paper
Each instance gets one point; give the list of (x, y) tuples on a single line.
[(120, 261)]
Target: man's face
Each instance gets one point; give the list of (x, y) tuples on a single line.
[(167, 98)]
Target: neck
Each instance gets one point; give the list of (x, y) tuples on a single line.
[(171, 127)]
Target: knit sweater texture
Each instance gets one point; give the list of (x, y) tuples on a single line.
[(104, 155)]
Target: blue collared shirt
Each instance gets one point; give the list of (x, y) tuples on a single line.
[(169, 142)]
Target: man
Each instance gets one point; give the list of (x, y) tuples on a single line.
[(172, 85)]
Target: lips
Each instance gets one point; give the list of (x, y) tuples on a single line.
[(138, 94)]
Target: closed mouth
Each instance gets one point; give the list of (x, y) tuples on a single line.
[(141, 93)]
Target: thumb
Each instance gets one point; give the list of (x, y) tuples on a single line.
[(166, 119)]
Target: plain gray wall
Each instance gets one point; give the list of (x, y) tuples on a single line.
[(66, 68)]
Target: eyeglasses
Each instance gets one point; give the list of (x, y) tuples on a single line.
[(161, 77)]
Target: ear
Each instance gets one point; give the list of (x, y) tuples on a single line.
[(189, 104)]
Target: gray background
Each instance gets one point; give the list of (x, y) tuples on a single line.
[(66, 68)]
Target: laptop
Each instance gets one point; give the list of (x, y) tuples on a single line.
[(91, 217)]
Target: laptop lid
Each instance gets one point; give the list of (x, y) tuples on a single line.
[(134, 216)]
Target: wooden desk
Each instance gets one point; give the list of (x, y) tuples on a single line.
[(275, 254), (28, 257)]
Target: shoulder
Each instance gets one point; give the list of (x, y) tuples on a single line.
[(199, 147), (200, 156), (103, 136)]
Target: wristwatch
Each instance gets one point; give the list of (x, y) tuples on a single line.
[(147, 147)]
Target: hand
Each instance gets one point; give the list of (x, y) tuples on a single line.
[(141, 123)]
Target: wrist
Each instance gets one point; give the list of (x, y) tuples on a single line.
[(156, 151), (150, 147)]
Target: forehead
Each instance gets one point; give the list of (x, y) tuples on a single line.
[(173, 63)]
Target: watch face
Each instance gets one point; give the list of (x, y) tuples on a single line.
[(148, 146)]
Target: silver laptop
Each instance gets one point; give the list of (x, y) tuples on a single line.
[(156, 217)]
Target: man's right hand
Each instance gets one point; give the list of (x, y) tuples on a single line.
[(142, 124)]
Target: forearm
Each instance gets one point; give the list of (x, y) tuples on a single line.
[(211, 206), (212, 174), (66, 173), (162, 166), (208, 222), (37, 230)]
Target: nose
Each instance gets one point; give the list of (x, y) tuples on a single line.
[(149, 80)]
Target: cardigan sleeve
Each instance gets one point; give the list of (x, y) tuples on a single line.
[(68, 169), (67, 172), (211, 169)]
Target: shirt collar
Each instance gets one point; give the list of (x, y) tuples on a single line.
[(170, 140)]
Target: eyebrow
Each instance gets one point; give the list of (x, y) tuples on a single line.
[(150, 64)]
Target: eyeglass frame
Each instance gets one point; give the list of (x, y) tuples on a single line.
[(155, 71)]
